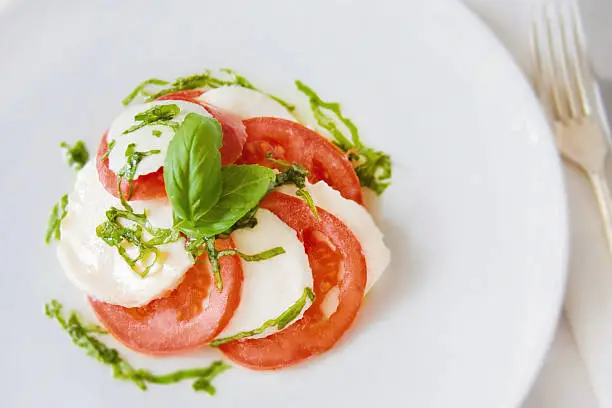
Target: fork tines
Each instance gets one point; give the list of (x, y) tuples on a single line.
[(560, 71)]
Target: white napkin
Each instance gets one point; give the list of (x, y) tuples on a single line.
[(589, 293)]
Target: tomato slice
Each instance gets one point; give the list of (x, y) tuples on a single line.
[(295, 143), (190, 316), (336, 259), (150, 186)]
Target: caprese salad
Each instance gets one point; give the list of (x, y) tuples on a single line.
[(213, 215)]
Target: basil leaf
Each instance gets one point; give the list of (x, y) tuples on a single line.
[(243, 188), (192, 168)]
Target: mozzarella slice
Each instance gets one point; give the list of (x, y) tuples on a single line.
[(144, 138), (270, 287), (358, 219), (244, 103), (96, 268)]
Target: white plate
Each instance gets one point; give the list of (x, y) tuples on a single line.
[(475, 217)]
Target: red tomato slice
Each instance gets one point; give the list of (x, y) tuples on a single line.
[(295, 143), (179, 321), (150, 186), (336, 259)]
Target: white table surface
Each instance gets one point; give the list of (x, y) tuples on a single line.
[(564, 381)]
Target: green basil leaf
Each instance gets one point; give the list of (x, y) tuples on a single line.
[(192, 168), (243, 188)]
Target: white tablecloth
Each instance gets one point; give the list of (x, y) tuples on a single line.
[(564, 381)]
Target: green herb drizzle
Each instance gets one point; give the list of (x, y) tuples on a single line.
[(55, 220), (85, 336), (279, 322), (76, 156)]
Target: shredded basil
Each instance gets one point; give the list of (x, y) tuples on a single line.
[(111, 146), (248, 220), (58, 213), (141, 89), (205, 80), (128, 171), (372, 167), (156, 132), (77, 155), (198, 246), (262, 256), (279, 322), (115, 234), (160, 115), (294, 174), (86, 335)]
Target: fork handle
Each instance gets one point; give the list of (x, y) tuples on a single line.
[(604, 200)]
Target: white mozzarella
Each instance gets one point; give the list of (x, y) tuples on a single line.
[(270, 287), (358, 219), (143, 137), (244, 103), (96, 268)]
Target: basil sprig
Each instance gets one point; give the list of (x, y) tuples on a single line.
[(192, 169), (208, 200)]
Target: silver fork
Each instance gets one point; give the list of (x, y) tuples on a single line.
[(565, 85)]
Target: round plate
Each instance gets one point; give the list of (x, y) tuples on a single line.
[(475, 217)]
